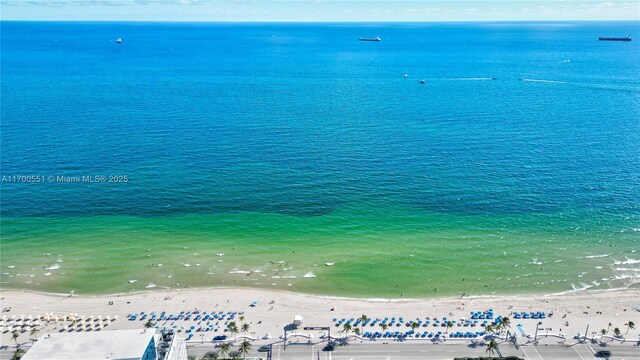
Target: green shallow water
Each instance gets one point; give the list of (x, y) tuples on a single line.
[(388, 253)]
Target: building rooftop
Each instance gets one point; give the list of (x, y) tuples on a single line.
[(99, 345)]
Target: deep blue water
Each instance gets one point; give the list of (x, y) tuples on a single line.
[(304, 119)]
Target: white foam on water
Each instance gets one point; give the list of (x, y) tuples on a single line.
[(239, 272), (626, 269), (626, 262), (309, 275), (11, 266), (622, 277), (575, 288), (55, 266), (329, 264), (596, 256), (544, 81), (151, 286), (186, 265), (132, 281), (47, 274)]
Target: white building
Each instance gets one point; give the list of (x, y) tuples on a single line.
[(108, 345)]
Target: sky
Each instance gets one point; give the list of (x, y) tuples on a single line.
[(318, 10)]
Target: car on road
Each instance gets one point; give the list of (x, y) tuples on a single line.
[(603, 354)]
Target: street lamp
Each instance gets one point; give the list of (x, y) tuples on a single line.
[(535, 338)]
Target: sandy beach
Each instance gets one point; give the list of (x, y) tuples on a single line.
[(570, 313)]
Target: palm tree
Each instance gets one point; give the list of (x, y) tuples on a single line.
[(363, 318), (414, 325), (244, 348), (608, 327), (245, 329), (17, 355), (488, 328), (233, 328), (148, 324), (506, 322), (616, 332), (384, 326), (224, 349), (241, 318), (347, 328), (34, 334), (630, 325), (492, 347), (449, 325), (603, 332), (14, 337), (357, 331), (210, 355), (498, 327)]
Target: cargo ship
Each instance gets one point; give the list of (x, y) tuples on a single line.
[(626, 38), (377, 38)]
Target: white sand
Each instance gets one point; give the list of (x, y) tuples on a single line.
[(616, 307)]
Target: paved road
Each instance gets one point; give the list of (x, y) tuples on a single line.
[(406, 351), (397, 351)]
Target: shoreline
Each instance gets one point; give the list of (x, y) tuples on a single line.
[(568, 293)]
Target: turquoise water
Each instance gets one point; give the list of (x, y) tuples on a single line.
[(514, 168)]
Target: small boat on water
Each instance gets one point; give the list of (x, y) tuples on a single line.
[(626, 38), (377, 38), (119, 40)]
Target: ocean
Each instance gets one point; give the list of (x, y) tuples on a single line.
[(295, 157)]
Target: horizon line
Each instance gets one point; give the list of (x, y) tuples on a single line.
[(319, 21)]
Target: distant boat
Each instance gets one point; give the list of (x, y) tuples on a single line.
[(119, 40), (377, 38), (422, 81), (626, 38)]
